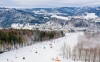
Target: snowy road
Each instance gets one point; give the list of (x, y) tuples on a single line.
[(41, 52)]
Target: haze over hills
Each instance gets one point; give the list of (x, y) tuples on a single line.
[(57, 17)]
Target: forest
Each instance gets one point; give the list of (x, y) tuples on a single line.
[(87, 49), (14, 38)]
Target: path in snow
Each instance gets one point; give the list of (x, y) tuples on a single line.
[(41, 52)]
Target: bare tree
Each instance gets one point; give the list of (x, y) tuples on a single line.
[(94, 55), (68, 51), (64, 50), (74, 54)]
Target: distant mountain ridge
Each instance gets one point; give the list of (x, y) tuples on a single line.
[(69, 11), (9, 16), (12, 15)]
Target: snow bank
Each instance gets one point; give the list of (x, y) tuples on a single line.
[(60, 17), (21, 26), (90, 16)]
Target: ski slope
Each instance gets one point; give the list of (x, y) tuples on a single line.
[(41, 52)]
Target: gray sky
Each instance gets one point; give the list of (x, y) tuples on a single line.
[(47, 3)]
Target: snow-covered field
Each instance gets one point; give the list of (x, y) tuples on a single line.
[(41, 52)]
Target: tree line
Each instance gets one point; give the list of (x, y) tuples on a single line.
[(15, 38)]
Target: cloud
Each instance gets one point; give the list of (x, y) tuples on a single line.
[(48, 3)]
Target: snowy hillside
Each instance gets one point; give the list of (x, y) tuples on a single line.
[(9, 16), (50, 18), (42, 52), (90, 16), (60, 17)]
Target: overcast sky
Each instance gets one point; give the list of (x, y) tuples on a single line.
[(47, 3)]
